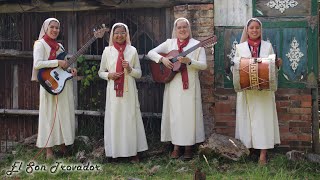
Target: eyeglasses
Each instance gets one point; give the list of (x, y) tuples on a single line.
[(120, 33)]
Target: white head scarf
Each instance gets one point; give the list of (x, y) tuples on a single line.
[(174, 35), (244, 36), (45, 26), (111, 34)]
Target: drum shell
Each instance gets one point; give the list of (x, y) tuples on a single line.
[(267, 74)]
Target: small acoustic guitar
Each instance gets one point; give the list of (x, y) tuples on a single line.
[(162, 74), (54, 79)]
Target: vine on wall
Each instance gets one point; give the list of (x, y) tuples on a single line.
[(92, 96)]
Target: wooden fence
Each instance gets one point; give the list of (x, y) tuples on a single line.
[(20, 97)]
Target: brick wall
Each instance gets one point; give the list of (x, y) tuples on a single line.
[(295, 117), (224, 111), (294, 106), (201, 18), (294, 109)]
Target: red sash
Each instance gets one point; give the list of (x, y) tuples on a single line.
[(184, 69), (119, 83), (255, 45), (54, 46)]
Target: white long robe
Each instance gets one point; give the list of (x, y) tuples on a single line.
[(182, 117), (124, 133), (61, 106), (256, 114)]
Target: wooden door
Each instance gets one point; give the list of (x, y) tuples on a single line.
[(291, 26)]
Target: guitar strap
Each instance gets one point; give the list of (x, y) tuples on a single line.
[(61, 47)]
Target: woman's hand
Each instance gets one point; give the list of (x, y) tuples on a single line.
[(125, 65), (74, 72), (279, 62), (115, 75), (184, 60), (63, 64), (167, 62)]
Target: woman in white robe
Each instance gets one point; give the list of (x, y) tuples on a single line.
[(256, 114), (124, 134), (182, 117), (56, 112)]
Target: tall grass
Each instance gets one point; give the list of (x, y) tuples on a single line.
[(215, 168)]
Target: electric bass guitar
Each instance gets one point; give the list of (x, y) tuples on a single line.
[(53, 79), (162, 74)]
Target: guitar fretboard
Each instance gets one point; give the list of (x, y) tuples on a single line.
[(200, 44), (184, 53), (80, 51), (190, 50)]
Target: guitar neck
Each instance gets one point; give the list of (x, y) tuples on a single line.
[(190, 50), (183, 54), (80, 51)]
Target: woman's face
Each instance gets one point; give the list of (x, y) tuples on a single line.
[(53, 30), (119, 35), (254, 30), (182, 30)]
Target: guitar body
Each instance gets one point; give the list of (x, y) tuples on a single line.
[(162, 74), (54, 79)]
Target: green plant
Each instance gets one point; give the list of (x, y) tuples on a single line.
[(279, 167), (88, 70), (90, 94)]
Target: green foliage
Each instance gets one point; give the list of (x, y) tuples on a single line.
[(88, 72), (279, 167)]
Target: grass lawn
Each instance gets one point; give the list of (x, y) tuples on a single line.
[(158, 167)]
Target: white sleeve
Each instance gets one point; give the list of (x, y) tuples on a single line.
[(271, 51), (201, 62), (38, 57), (154, 55), (136, 68), (103, 71)]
